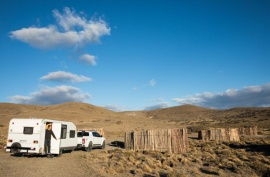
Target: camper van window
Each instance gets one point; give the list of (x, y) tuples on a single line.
[(79, 134), (28, 130), (64, 132), (72, 134)]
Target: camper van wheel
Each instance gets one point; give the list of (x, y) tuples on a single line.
[(14, 148), (89, 148), (103, 145)]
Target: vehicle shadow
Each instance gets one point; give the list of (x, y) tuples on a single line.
[(38, 155), (119, 144), (27, 155)]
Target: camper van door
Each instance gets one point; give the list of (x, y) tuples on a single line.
[(55, 144)]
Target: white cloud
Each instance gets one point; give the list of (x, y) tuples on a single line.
[(152, 82), (231, 92), (114, 108), (71, 30), (62, 76), (89, 59), (189, 100), (52, 95), (157, 100), (157, 106), (69, 19), (252, 96)]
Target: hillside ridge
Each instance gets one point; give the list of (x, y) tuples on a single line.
[(83, 113)]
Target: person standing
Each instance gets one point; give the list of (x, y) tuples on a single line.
[(48, 134)]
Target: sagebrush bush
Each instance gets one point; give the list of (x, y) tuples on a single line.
[(224, 152), (210, 170), (176, 173), (116, 167), (237, 161), (260, 168), (145, 167)]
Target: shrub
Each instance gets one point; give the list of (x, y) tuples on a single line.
[(175, 173), (129, 153), (260, 168), (116, 167), (210, 170), (145, 167), (237, 161), (225, 152)]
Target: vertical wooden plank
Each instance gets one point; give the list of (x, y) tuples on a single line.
[(234, 135), (135, 141), (152, 140), (173, 140), (126, 141), (169, 140)]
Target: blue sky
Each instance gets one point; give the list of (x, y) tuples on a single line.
[(136, 55)]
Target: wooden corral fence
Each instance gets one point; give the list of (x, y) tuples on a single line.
[(250, 131), (219, 134), (171, 140), (99, 130)]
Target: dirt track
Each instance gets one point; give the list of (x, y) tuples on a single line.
[(69, 164)]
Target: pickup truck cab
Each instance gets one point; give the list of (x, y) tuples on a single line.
[(88, 140)]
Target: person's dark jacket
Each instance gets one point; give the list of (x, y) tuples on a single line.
[(48, 134)]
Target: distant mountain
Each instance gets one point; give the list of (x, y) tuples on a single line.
[(82, 113), (198, 116), (182, 112)]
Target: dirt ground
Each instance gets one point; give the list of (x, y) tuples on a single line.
[(70, 164), (67, 165)]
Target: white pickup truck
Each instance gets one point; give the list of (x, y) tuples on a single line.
[(88, 140)]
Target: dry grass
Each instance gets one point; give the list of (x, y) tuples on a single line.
[(205, 158)]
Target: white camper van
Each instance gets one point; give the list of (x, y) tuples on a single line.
[(28, 136)]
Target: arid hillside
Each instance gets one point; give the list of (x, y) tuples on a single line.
[(193, 116), (116, 123), (68, 111), (87, 115)]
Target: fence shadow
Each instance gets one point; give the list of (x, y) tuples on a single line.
[(263, 148)]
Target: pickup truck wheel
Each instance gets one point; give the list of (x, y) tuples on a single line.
[(89, 148), (103, 145)]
